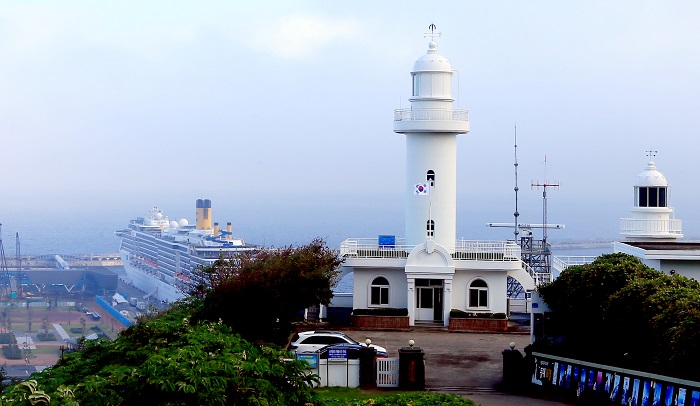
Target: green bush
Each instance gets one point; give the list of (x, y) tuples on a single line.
[(46, 337), (76, 330), (12, 351), (461, 314), (380, 311), (7, 338)]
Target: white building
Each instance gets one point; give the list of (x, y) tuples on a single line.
[(651, 233), (428, 271)]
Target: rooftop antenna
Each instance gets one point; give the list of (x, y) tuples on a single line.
[(651, 153), (18, 251), (4, 272), (432, 34), (516, 230), (544, 187)]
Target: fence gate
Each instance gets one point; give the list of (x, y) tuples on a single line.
[(387, 372)]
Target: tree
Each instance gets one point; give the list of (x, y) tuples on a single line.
[(82, 323), (619, 311), (172, 360), (45, 324), (259, 293)]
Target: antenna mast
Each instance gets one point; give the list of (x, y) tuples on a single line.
[(516, 230), (544, 187)]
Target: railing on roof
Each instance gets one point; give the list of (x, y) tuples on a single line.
[(464, 250), (413, 114), (650, 226), (561, 263)]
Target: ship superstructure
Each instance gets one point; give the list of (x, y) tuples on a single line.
[(159, 254)]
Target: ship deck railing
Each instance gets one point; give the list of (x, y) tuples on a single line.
[(463, 250)]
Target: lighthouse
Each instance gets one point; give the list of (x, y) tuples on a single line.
[(428, 273), (652, 217), (431, 126)]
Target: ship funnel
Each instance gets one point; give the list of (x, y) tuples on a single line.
[(216, 229), (203, 214), (229, 228)]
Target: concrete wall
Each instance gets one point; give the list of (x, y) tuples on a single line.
[(398, 287), (497, 284)]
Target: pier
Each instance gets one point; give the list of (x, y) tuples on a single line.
[(61, 260)]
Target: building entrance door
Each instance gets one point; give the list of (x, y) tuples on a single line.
[(429, 305)]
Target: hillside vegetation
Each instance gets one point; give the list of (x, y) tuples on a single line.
[(617, 311)]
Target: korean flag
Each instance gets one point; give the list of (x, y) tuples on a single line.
[(421, 189)]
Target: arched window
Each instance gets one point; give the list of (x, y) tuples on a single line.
[(478, 294), (430, 177), (379, 292), (430, 228)]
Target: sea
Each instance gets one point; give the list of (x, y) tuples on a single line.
[(44, 234)]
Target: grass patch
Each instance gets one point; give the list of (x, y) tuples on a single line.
[(357, 397)]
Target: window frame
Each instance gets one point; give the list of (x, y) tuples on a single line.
[(481, 292), (382, 292)]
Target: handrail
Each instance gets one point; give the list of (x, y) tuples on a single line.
[(670, 226), (431, 114), (463, 249)]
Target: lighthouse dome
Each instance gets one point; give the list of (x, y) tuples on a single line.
[(651, 177), (432, 61)]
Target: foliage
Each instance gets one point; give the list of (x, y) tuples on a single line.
[(7, 338), (461, 314), (258, 293), (170, 360), (380, 311), (12, 351), (354, 397), (46, 337), (621, 312)]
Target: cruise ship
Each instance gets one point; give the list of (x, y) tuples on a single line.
[(159, 255)]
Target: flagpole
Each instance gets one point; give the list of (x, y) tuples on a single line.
[(430, 212)]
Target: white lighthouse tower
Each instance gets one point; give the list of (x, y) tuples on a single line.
[(431, 126), (652, 218)]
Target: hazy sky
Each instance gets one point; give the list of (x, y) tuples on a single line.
[(282, 112)]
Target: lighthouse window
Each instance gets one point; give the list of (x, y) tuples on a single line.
[(662, 197), (379, 292), (431, 228), (416, 85), (430, 177), (643, 197), (651, 197)]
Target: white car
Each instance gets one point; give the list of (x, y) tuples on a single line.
[(311, 341)]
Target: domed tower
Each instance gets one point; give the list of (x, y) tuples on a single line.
[(431, 126), (652, 218)]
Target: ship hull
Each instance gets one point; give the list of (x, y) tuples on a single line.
[(149, 283)]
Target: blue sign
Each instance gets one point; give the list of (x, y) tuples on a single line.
[(337, 353), (311, 358), (387, 241)]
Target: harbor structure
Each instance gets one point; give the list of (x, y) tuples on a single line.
[(428, 271)]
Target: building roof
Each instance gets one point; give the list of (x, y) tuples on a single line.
[(664, 246)]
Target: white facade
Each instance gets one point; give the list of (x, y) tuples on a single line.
[(429, 272)]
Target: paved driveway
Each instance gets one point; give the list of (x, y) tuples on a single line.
[(464, 363)]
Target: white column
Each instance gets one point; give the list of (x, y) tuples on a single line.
[(447, 302), (411, 302)]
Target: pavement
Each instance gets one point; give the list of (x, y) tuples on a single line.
[(467, 364)]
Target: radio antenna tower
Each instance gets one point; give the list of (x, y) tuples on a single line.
[(4, 272), (516, 229), (544, 187), (18, 251)]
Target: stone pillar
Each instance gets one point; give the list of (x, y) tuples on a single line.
[(411, 368)]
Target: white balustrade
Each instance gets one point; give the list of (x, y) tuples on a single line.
[(431, 114)]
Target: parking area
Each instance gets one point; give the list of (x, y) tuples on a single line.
[(468, 364)]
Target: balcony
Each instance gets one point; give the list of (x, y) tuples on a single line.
[(464, 250), (431, 120), (671, 228)]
